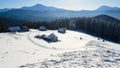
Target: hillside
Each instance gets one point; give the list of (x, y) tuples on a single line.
[(23, 50), (106, 18)]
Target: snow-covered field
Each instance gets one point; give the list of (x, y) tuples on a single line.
[(23, 50)]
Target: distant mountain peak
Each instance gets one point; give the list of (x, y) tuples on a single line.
[(105, 8), (38, 5)]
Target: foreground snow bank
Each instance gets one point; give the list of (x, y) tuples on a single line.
[(101, 58)]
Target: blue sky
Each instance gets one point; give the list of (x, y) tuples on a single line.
[(65, 4)]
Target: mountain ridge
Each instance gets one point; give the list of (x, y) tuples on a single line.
[(40, 12)]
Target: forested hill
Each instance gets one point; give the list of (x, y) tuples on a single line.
[(102, 25), (106, 18)]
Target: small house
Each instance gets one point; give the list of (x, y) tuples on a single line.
[(42, 28), (25, 28), (52, 37), (62, 30), (14, 29)]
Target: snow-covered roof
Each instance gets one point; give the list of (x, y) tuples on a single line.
[(61, 30), (15, 28), (25, 28), (52, 37), (42, 28)]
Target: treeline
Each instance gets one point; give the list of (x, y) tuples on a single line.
[(8, 22), (103, 26)]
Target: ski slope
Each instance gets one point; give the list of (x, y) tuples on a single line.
[(23, 50)]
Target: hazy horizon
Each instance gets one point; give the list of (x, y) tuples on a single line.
[(67, 4)]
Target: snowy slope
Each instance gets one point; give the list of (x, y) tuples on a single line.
[(23, 50)]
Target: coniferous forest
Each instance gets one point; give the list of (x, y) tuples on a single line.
[(103, 26)]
